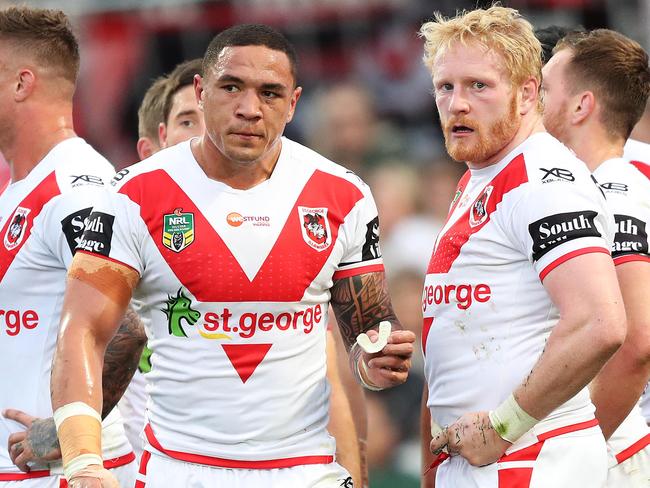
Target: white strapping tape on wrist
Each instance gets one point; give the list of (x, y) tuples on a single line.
[(80, 462), (511, 421), (75, 408), (372, 347), (366, 385)]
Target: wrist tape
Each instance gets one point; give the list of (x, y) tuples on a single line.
[(79, 428), (511, 421)]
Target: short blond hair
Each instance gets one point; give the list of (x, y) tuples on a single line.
[(499, 28)]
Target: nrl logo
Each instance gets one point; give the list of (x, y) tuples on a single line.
[(16, 228), (315, 227), (478, 213), (178, 230)]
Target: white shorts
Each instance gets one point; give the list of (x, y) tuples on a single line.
[(125, 475), (572, 460), (634, 472), (159, 471)]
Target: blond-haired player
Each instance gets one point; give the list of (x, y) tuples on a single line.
[(596, 86), (510, 298)]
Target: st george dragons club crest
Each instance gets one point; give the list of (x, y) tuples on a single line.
[(315, 227), (16, 228), (478, 213)]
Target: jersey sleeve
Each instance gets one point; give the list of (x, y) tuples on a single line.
[(67, 213), (631, 210), (555, 222), (360, 234), (114, 231)]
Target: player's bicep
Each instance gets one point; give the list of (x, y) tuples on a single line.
[(97, 294), (585, 289), (361, 302)]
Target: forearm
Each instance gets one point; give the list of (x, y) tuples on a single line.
[(360, 303), (121, 359), (613, 398), (571, 359), (341, 427), (428, 474)]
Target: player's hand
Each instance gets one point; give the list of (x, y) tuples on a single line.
[(390, 366), (93, 476), (38, 444), (472, 437)]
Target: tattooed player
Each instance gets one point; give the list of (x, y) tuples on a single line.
[(234, 242)]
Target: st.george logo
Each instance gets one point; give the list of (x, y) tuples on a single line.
[(478, 213), (16, 229), (315, 227), (178, 230)]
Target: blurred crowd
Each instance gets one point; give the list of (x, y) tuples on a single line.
[(366, 105)]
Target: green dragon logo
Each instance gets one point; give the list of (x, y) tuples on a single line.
[(179, 307)]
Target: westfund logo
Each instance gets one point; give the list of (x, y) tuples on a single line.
[(554, 230), (98, 233)]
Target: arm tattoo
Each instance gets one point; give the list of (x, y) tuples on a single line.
[(361, 302), (42, 438), (121, 359)]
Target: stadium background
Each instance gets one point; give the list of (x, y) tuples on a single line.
[(366, 104)]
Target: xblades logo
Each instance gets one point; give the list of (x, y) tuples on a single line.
[(556, 174), (81, 179), (614, 186)]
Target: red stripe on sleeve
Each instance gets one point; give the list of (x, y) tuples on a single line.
[(568, 256)]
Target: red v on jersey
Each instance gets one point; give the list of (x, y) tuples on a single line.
[(452, 241), (34, 202), (246, 357), (207, 267), (642, 167)]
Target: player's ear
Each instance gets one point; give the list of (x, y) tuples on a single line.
[(145, 148), (162, 135), (529, 92), (293, 102), (585, 104), (25, 83), (198, 91)]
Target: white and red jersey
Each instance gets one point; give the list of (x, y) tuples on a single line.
[(487, 315), (640, 152), (234, 286), (626, 185), (41, 221)]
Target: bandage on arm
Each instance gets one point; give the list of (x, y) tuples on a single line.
[(511, 421), (94, 304), (79, 428)]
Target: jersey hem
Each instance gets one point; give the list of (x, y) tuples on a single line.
[(563, 259), (107, 258), (233, 463), (346, 273), (626, 454), (631, 257), (108, 464)]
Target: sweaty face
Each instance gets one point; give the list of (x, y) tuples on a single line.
[(248, 97), (476, 102), (185, 118), (556, 96)]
